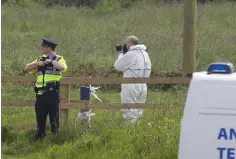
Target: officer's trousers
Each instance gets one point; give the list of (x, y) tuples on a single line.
[(47, 103)]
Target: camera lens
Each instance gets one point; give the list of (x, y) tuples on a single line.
[(118, 47)]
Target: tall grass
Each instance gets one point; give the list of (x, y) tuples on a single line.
[(93, 36), (87, 40)]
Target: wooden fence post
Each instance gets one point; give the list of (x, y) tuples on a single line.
[(189, 42), (64, 98)]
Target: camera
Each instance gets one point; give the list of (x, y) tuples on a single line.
[(121, 48)]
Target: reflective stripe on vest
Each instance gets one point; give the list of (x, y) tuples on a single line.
[(40, 83), (47, 79)]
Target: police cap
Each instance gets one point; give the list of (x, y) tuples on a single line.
[(50, 43)]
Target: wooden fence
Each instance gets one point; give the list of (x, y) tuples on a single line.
[(66, 103)]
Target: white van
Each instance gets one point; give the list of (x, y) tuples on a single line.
[(208, 126)]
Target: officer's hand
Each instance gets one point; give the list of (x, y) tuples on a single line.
[(47, 61), (40, 63)]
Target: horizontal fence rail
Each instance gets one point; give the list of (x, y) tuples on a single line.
[(118, 80), (103, 80), (32, 102), (66, 103), (84, 104)]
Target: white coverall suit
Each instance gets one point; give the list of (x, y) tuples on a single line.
[(134, 63)]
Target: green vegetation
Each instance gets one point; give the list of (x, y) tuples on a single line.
[(92, 34), (156, 136)]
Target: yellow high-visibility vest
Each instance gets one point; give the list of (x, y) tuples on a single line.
[(48, 73)]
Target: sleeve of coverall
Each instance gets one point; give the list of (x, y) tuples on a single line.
[(32, 71), (63, 61), (123, 62)]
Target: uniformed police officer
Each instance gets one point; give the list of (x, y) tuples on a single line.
[(48, 68)]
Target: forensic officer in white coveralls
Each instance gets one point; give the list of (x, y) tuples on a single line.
[(134, 62)]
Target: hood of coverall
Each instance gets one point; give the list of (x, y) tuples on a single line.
[(140, 46)]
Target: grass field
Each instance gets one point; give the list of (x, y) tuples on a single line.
[(155, 137), (93, 36)]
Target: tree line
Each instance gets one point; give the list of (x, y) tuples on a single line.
[(93, 3)]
